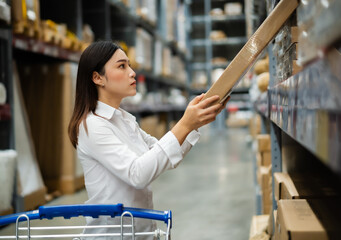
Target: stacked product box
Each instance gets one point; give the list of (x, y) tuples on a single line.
[(264, 171), (308, 206), (285, 51), (144, 49)]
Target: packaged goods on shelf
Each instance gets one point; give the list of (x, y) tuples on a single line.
[(158, 55), (252, 49), (48, 91), (5, 12), (181, 27), (8, 162), (255, 125), (262, 65), (88, 35), (170, 19), (26, 17), (233, 8), (178, 69), (144, 49), (237, 118), (263, 142), (308, 219), (303, 186), (217, 35), (219, 61), (176, 98), (51, 33), (258, 227), (264, 158), (199, 80), (319, 27), (216, 12), (31, 188), (216, 73), (147, 10), (263, 81), (166, 61), (265, 182)]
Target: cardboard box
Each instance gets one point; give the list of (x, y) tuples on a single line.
[(264, 142), (265, 182), (272, 223), (259, 225), (248, 54), (314, 219), (304, 186), (264, 158)]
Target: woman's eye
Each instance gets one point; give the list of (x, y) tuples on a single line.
[(121, 66)]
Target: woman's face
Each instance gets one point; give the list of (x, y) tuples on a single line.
[(119, 78)]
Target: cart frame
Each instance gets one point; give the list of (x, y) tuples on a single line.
[(68, 211)]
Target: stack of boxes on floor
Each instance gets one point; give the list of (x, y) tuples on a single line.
[(308, 205), (260, 223)]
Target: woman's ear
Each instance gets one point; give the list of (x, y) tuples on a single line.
[(97, 79)]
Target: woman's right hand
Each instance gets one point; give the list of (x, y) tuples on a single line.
[(197, 114)]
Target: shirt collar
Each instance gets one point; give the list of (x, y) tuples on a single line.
[(106, 111)]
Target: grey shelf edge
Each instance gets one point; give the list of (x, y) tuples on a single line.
[(307, 107)]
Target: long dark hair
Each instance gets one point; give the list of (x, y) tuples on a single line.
[(92, 59)]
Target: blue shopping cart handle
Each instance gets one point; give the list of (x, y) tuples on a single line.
[(68, 211)]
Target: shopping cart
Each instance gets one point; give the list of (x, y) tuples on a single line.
[(68, 211)]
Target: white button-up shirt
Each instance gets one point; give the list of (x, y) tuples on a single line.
[(120, 161)]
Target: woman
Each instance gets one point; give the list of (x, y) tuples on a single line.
[(119, 159)]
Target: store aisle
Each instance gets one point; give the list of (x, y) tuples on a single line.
[(211, 193)]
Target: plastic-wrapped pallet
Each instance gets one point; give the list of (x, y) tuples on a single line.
[(7, 175), (30, 183)]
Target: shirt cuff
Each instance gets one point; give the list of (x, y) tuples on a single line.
[(193, 137), (170, 145)]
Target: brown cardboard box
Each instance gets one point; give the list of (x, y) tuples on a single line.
[(252, 49), (281, 179), (264, 158), (259, 225), (264, 142), (272, 223), (303, 219), (264, 180), (304, 186)]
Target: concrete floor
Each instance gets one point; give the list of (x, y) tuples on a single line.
[(211, 193)]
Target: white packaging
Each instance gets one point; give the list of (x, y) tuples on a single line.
[(233, 9)]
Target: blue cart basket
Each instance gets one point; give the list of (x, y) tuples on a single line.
[(69, 211)]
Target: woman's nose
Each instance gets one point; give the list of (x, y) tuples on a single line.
[(132, 74)]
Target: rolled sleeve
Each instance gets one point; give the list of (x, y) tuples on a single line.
[(193, 137)]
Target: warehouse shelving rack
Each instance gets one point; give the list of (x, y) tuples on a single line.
[(202, 49), (302, 114)]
